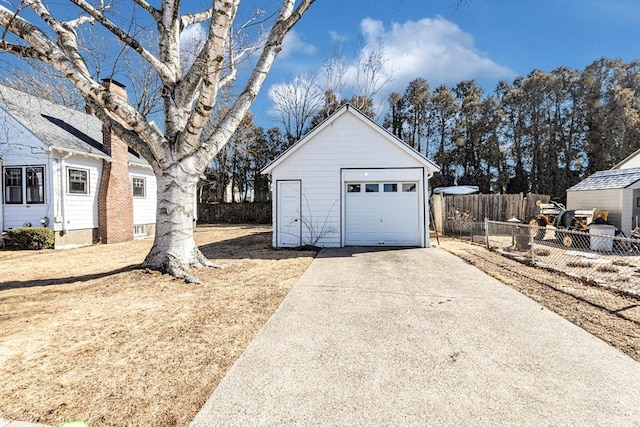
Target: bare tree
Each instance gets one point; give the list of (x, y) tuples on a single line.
[(44, 83), (180, 153), (333, 72), (296, 103), (369, 76), (364, 79)]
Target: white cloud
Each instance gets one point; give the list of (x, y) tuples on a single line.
[(337, 37), (435, 49), (193, 35), (191, 41), (293, 43)]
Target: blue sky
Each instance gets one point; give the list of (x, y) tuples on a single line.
[(446, 41)]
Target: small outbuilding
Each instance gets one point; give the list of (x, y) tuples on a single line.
[(349, 182), (615, 190)]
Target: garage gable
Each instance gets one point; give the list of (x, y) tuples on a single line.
[(350, 137)]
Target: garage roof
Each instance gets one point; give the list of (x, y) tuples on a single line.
[(610, 179), (343, 110)]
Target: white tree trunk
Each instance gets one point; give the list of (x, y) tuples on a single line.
[(174, 250)]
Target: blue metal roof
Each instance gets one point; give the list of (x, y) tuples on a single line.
[(610, 179)]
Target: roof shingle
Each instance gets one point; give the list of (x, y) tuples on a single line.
[(60, 127), (609, 179)]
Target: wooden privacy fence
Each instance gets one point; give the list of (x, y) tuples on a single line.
[(477, 207), (235, 213)]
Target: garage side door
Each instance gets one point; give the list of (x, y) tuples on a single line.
[(289, 224), (382, 214)]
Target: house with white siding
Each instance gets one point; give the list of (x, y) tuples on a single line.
[(633, 161), (349, 182), (616, 190), (62, 170)]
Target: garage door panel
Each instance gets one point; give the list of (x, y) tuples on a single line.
[(382, 218)]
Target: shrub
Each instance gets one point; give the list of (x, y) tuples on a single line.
[(32, 238)]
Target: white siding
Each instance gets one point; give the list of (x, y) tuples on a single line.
[(19, 147), (346, 143), (80, 210), (633, 161), (628, 202), (619, 203), (144, 208)]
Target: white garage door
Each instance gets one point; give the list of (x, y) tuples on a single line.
[(382, 214)]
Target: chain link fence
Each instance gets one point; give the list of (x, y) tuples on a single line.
[(471, 231), (597, 256)]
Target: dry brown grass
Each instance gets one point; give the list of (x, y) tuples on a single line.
[(579, 264), (84, 335), (611, 316), (607, 268)]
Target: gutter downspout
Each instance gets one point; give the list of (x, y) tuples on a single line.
[(62, 194)]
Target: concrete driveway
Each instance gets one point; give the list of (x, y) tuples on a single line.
[(418, 337)]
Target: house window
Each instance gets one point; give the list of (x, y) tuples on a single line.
[(29, 178), (35, 184), (371, 188), (13, 185), (140, 230), (138, 185), (78, 181)]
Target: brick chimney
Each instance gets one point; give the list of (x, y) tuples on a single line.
[(115, 200)]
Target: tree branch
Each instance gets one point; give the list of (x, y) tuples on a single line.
[(195, 18), (155, 13), (135, 138), (44, 49), (169, 33), (212, 65), (75, 23), (19, 50), (287, 18), (193, 77), (41, 47), (165, 73)]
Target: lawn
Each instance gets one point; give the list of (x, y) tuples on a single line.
[(85, 335)]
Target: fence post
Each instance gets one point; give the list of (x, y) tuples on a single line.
[(531, 240), (486, 232)]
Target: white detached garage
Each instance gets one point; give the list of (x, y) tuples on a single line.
[(349, 182)]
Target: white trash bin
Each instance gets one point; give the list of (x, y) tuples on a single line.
[(599, 237)]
